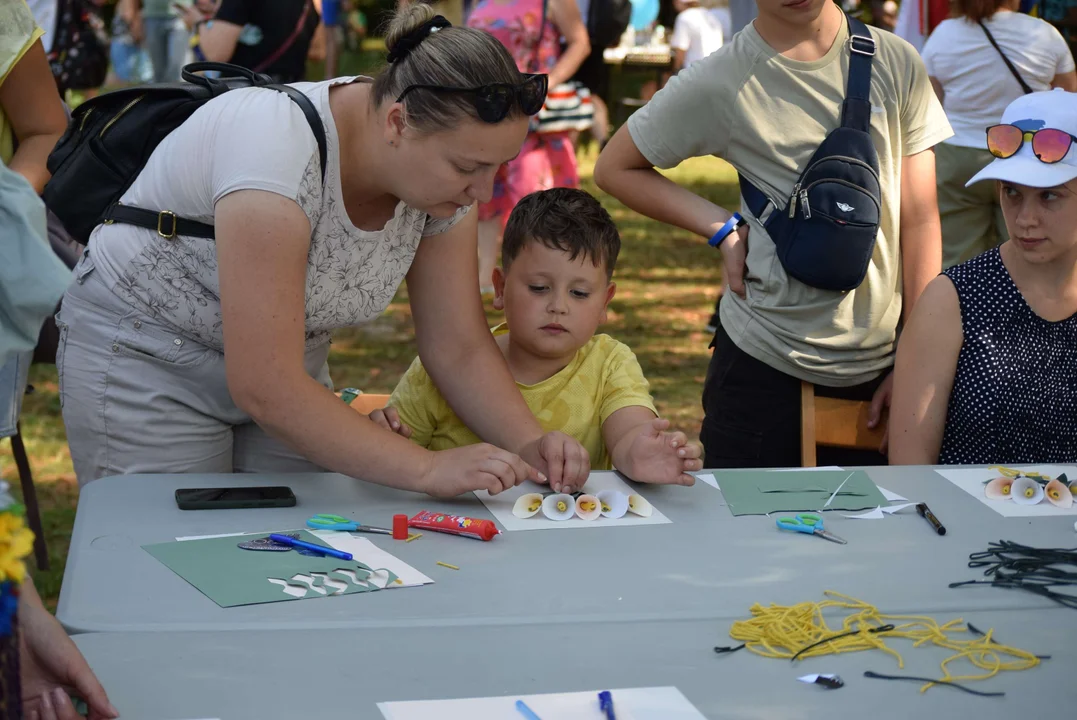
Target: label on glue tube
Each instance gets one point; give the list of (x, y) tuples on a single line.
[(455, 525)]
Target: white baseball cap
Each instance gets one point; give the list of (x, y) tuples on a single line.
[(1050, 109)]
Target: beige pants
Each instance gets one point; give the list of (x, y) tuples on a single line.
[(138, 397), (971, 216)]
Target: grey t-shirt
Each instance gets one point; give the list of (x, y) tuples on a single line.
[(255, 139)]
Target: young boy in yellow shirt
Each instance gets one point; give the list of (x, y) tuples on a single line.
[(560, 248)]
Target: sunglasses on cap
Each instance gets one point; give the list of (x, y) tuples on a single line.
[(1049, 145), (493, 102)]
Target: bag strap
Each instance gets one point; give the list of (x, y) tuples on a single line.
[(168, 224), (287, 43), (1016, 74), (855, 109)]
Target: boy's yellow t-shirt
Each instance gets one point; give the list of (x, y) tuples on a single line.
[(602, 378)]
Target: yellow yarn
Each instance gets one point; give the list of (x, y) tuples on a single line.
[(782, 631)]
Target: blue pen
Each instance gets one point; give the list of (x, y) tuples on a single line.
[(605, 704), (521, 707), (285, 540)]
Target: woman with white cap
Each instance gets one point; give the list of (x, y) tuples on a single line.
[(986, 370)]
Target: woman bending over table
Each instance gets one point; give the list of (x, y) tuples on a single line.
[(208, 354), (986, 370)]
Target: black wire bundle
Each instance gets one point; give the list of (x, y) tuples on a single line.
[(1035, 570)]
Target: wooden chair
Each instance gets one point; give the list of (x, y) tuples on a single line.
[(367, 404), (834, 423)]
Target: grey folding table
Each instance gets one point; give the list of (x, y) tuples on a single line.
[(705, 564), (263, 675)]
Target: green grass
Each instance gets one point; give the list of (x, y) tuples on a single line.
[(667, 282)]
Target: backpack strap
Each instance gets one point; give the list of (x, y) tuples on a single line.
[(168, 225), (855, 110)]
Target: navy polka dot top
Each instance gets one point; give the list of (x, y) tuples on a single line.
[(1015, 390)]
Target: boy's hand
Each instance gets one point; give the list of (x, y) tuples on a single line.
[(389, 419), (567, 463), (657, 456), (475, 467)]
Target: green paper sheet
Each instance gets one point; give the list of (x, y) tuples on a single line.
[(758, 492), (230, 576)]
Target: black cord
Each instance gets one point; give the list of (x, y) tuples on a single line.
[(1020, 567), (947, 683), (880, 629), (729, 648)]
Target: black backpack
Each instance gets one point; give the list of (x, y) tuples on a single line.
[(111, 137), (606, 22), (826, 234)]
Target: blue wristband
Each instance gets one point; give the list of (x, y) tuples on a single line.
[(723, 232)]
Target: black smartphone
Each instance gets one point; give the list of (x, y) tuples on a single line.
[(234, 498)]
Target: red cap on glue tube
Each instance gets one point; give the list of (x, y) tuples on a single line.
[(400, 527)]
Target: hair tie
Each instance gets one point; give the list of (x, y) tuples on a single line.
[(409, 42)]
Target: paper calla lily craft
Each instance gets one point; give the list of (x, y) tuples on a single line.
[(999, 488), (1026, 491), (1058, 494)]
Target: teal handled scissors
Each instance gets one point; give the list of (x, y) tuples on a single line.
[(809, 524), (325, 521)]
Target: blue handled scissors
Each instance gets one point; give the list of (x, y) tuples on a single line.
[(325, 521), (809, 524)]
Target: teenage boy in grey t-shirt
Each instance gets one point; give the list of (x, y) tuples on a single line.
[(764, 103)]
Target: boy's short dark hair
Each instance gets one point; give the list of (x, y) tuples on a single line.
[(564, 219)]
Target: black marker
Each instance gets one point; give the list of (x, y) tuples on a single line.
[(926, 514)]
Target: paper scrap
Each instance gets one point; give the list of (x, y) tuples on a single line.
[(880, 512), (500, 506), (890, 495), (876, 514), (658, 703), (828, 681), (709, 479), (827, 503)]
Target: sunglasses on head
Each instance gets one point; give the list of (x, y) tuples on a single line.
[(493, 102), (1049, 145)]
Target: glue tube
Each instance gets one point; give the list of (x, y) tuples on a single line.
[(455, 525)]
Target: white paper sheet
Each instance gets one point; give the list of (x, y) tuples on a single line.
[(660, 703), (361, 549), (709, 479), (501, 506), (971, 480)]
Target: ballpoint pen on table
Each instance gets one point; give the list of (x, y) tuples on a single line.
[(605, 703), (331, 552), (521, 707)]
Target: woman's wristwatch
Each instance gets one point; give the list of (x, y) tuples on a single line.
[(731, 226)]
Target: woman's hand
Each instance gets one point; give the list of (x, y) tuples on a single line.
[(474, 467), (51, 665)]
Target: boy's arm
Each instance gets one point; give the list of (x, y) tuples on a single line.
[(415, 401), (921, 230), (641, 448), (924, 376), (635, 437)]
